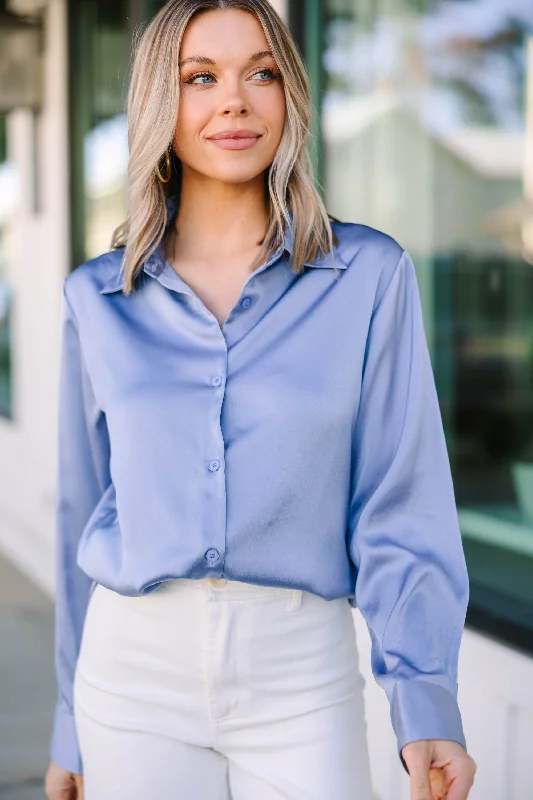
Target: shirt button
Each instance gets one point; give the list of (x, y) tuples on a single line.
[(212, 556), (246, 302), (217, 380), (214, 465)]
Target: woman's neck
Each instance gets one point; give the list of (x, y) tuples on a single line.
[(215, 218)]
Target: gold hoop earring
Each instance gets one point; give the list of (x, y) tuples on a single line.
[(168, 167)]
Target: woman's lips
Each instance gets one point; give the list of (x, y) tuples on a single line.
[(234, 143)]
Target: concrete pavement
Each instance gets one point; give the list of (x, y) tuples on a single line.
[(27, 685)]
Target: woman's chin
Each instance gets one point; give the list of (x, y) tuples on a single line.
[(236, 173)]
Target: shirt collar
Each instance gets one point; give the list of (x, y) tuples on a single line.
[(155, 264)]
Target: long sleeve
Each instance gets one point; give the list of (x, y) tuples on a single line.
[(82, 477), (404, 538)]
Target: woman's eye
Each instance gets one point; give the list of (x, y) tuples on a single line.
[(193, 78), (197, 79), (269, 72)]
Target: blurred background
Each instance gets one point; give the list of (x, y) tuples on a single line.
[(423, 128)]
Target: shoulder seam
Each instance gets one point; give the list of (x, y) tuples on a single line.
[(69, 303), (394, 271)]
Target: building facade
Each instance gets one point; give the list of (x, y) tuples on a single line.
[(423, 128)]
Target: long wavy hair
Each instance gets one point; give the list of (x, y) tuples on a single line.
[(152, 109)]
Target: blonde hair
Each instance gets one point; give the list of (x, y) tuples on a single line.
[(153, 105)]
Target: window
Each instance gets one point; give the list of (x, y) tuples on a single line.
[(100, 38), (424, 115), (99, 50)]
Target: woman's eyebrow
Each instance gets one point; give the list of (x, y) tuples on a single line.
[(205, 60)]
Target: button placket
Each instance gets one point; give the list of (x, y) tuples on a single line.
[(212, 556)]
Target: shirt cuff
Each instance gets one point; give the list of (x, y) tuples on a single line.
[(64, 746), (423, 710)]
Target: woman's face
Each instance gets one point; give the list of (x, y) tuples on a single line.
[(228, 82)]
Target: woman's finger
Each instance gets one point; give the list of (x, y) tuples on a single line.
[(79, 787)]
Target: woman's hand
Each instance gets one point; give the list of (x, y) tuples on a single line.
[(439, 769), (63, 785)]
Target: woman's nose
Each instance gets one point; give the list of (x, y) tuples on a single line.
[(234, 101)]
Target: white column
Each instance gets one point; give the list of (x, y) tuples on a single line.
[(28, 441)]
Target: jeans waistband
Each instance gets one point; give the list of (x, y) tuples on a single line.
[(226, 589)]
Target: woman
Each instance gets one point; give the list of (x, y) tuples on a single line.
[(248, 423)]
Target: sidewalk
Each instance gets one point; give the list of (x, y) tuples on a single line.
[(27, 685)]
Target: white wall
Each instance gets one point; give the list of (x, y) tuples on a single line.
[(28, 442)]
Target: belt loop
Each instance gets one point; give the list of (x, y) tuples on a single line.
[(295, 600)]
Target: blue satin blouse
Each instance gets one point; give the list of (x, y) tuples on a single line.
[(299, 445)]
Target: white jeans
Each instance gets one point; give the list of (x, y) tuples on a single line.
[(216, 690)]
